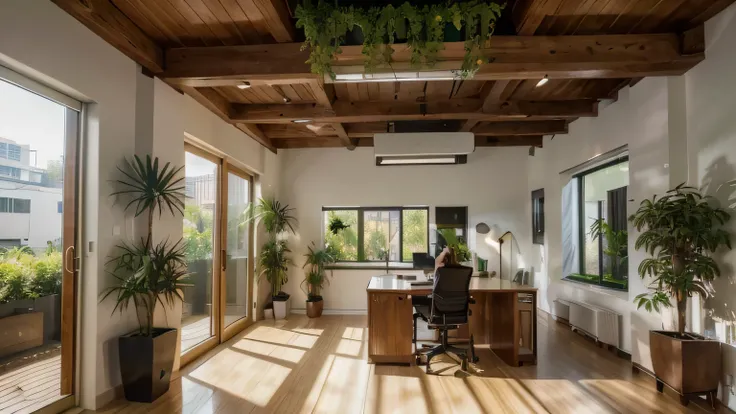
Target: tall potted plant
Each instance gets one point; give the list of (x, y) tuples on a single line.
[(680, 230), (273, 262), (316, 277), (148, 274)]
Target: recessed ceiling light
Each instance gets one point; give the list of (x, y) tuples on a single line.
[(286, 100), (301, 121), (244, 85), (542, 81)]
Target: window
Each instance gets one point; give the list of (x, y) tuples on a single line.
[(9, 171), (538, 216), (13, 152), (452, 222), (367, 234), (600, 225), (15, 205), (3, 150)]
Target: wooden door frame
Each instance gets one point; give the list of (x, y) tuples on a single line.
[(201, 348), (237, 326)]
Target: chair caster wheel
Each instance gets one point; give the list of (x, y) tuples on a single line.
[(418, 360)]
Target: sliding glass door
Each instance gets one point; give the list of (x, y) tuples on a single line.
[(218, 296), (236, 265), (39, 159), (201, 215)]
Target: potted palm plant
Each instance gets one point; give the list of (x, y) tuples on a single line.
[(680, 230), (148, 274), (316, 277), (273, 262)]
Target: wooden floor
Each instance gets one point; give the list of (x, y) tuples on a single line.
[(319, 366), (197, 329), (30, 387)]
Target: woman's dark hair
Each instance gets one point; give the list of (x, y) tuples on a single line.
[(450, 259)]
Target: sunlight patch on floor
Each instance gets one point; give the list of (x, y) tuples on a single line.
[(344, 389), (563, 396), (319, 382), (353, 333), (627, 397), (285, 353), (251, 378), (349, 347), (504, 395), (399, 393), (309, 331)]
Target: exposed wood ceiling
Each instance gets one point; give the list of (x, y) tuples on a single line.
[(589, 49)]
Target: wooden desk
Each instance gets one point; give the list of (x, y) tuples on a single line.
[(504, 317)]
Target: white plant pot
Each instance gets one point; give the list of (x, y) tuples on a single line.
[(268, 313), (281, 309)]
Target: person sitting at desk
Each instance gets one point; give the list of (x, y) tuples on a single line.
[(446, 258)]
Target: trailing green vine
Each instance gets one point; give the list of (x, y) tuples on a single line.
[(421, 27)]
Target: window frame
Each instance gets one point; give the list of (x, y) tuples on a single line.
[(582, 230), (538, 216), (360, 211)]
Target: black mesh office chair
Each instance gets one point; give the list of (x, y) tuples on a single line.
[(449, 309)]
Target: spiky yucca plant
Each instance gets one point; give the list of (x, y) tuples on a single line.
[(316, 276), (273, 264), (680, 230), (148, 274)]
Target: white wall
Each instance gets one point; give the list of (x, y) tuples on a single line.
[(493, 185), (677, 129), (127, 113)]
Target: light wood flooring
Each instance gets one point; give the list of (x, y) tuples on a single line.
[(30, 387), (319, 366)]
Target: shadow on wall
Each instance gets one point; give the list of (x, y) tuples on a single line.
[(719, 182)]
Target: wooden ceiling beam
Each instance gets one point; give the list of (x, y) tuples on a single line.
[(108, 22), (521, 128), (319, 142), (212, 100), (406, 111), (335, 142), (510, 141), (325, 96), (512, 57)]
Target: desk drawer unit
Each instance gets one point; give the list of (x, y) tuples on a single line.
[(390, 328)]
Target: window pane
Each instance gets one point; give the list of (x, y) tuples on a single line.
[(199, 219), (414, 233), (381, 235), (344, 241), (236, 270), (608, 252), (21, 206)]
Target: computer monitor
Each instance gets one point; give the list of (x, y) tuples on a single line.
[(422, 261)]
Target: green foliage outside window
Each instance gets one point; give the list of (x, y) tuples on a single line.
[(198, 224), (414, 233), (25, 276), (344, 243)]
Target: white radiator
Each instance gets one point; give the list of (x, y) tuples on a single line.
[(602, 324), (562, 309)]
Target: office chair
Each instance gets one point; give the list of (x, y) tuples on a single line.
[(448, 310)]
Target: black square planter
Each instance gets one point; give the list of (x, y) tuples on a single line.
[(146, 363)]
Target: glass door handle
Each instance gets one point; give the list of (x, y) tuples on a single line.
[(68, 259), (223, 259)]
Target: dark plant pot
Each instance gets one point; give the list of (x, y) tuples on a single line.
[(146, 364), (314, 309), (688, 366)]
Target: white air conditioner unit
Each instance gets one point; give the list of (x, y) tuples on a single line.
[(427, 148)]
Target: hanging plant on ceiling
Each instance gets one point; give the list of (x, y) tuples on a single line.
[(422, 28)]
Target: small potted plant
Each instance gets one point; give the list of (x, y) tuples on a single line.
[(316, 277), (273, 262), (148, 274), (680, 229)]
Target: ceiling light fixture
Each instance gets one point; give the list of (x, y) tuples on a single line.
[(422, 160), (542, 81), (286, 100), (244, 85), (301, 121)]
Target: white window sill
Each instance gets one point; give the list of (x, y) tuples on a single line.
[(372, 265), (619, 294)]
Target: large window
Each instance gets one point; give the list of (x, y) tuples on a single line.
[(600, 225), (368, 234)]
